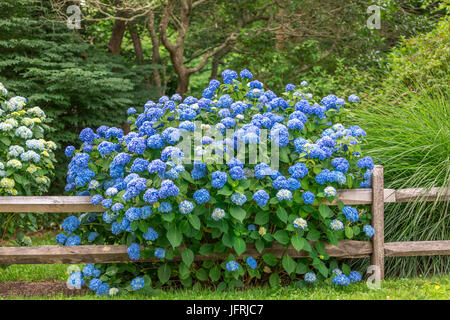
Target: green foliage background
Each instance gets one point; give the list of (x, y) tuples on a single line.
[(75, 83)]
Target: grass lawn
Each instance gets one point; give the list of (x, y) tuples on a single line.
[(437, 287)]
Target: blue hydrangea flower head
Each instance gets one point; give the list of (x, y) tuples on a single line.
[(69, 151), (116, 207), (237, 173), (308, 197), (366, 162), (354, 276), (87, 135), (232, 266), (228, 76), (94, 284), (336, 271), (186, 207), (351, 213), (255, 84), (168, 189), (139, 165), (251, 262), (365, 184), (106, 203), (73, 241), (341, 280), (219, 179), (261, 197), (280, 183), (353, 98), (298, 170), (160, 253), (114, 132), (61, 239), (151, 195), (92, 236), (146, 212), (70, 224), (96, 199), (290, 87), (201, 196), (245, 74), (300, 223), (176, 97), (89, 270), (284, 194), (369, 231), (238, 198), (150, 235), (165, 207), (293, 184), (133, 213), (336, 225), (102, 289), (340, 164), (329, 191), (310, 277), (116, 228), (134, 251), (137, 283), (155, 142), (218, 214), (131, 111), (108, 217)]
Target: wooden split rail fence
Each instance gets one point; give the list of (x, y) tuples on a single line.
[(377, 249)]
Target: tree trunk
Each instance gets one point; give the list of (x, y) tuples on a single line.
[(136, 43), (214, 68), (183, 82), (115, 42), (156, 58)]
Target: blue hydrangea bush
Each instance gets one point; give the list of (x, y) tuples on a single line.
[(173, 211), (26, 158)]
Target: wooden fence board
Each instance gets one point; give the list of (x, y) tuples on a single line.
[(118, 253), (417, 248), (421, 194), (378, 218), (50, 204), (64, 204)]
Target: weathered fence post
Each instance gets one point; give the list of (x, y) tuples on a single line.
[(378, 218)]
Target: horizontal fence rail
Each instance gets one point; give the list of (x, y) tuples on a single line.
[(66, 204), (118, 253), (377, 249)]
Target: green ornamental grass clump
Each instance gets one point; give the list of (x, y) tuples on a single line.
[(408, 132), (172, 200), (414, 148)]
